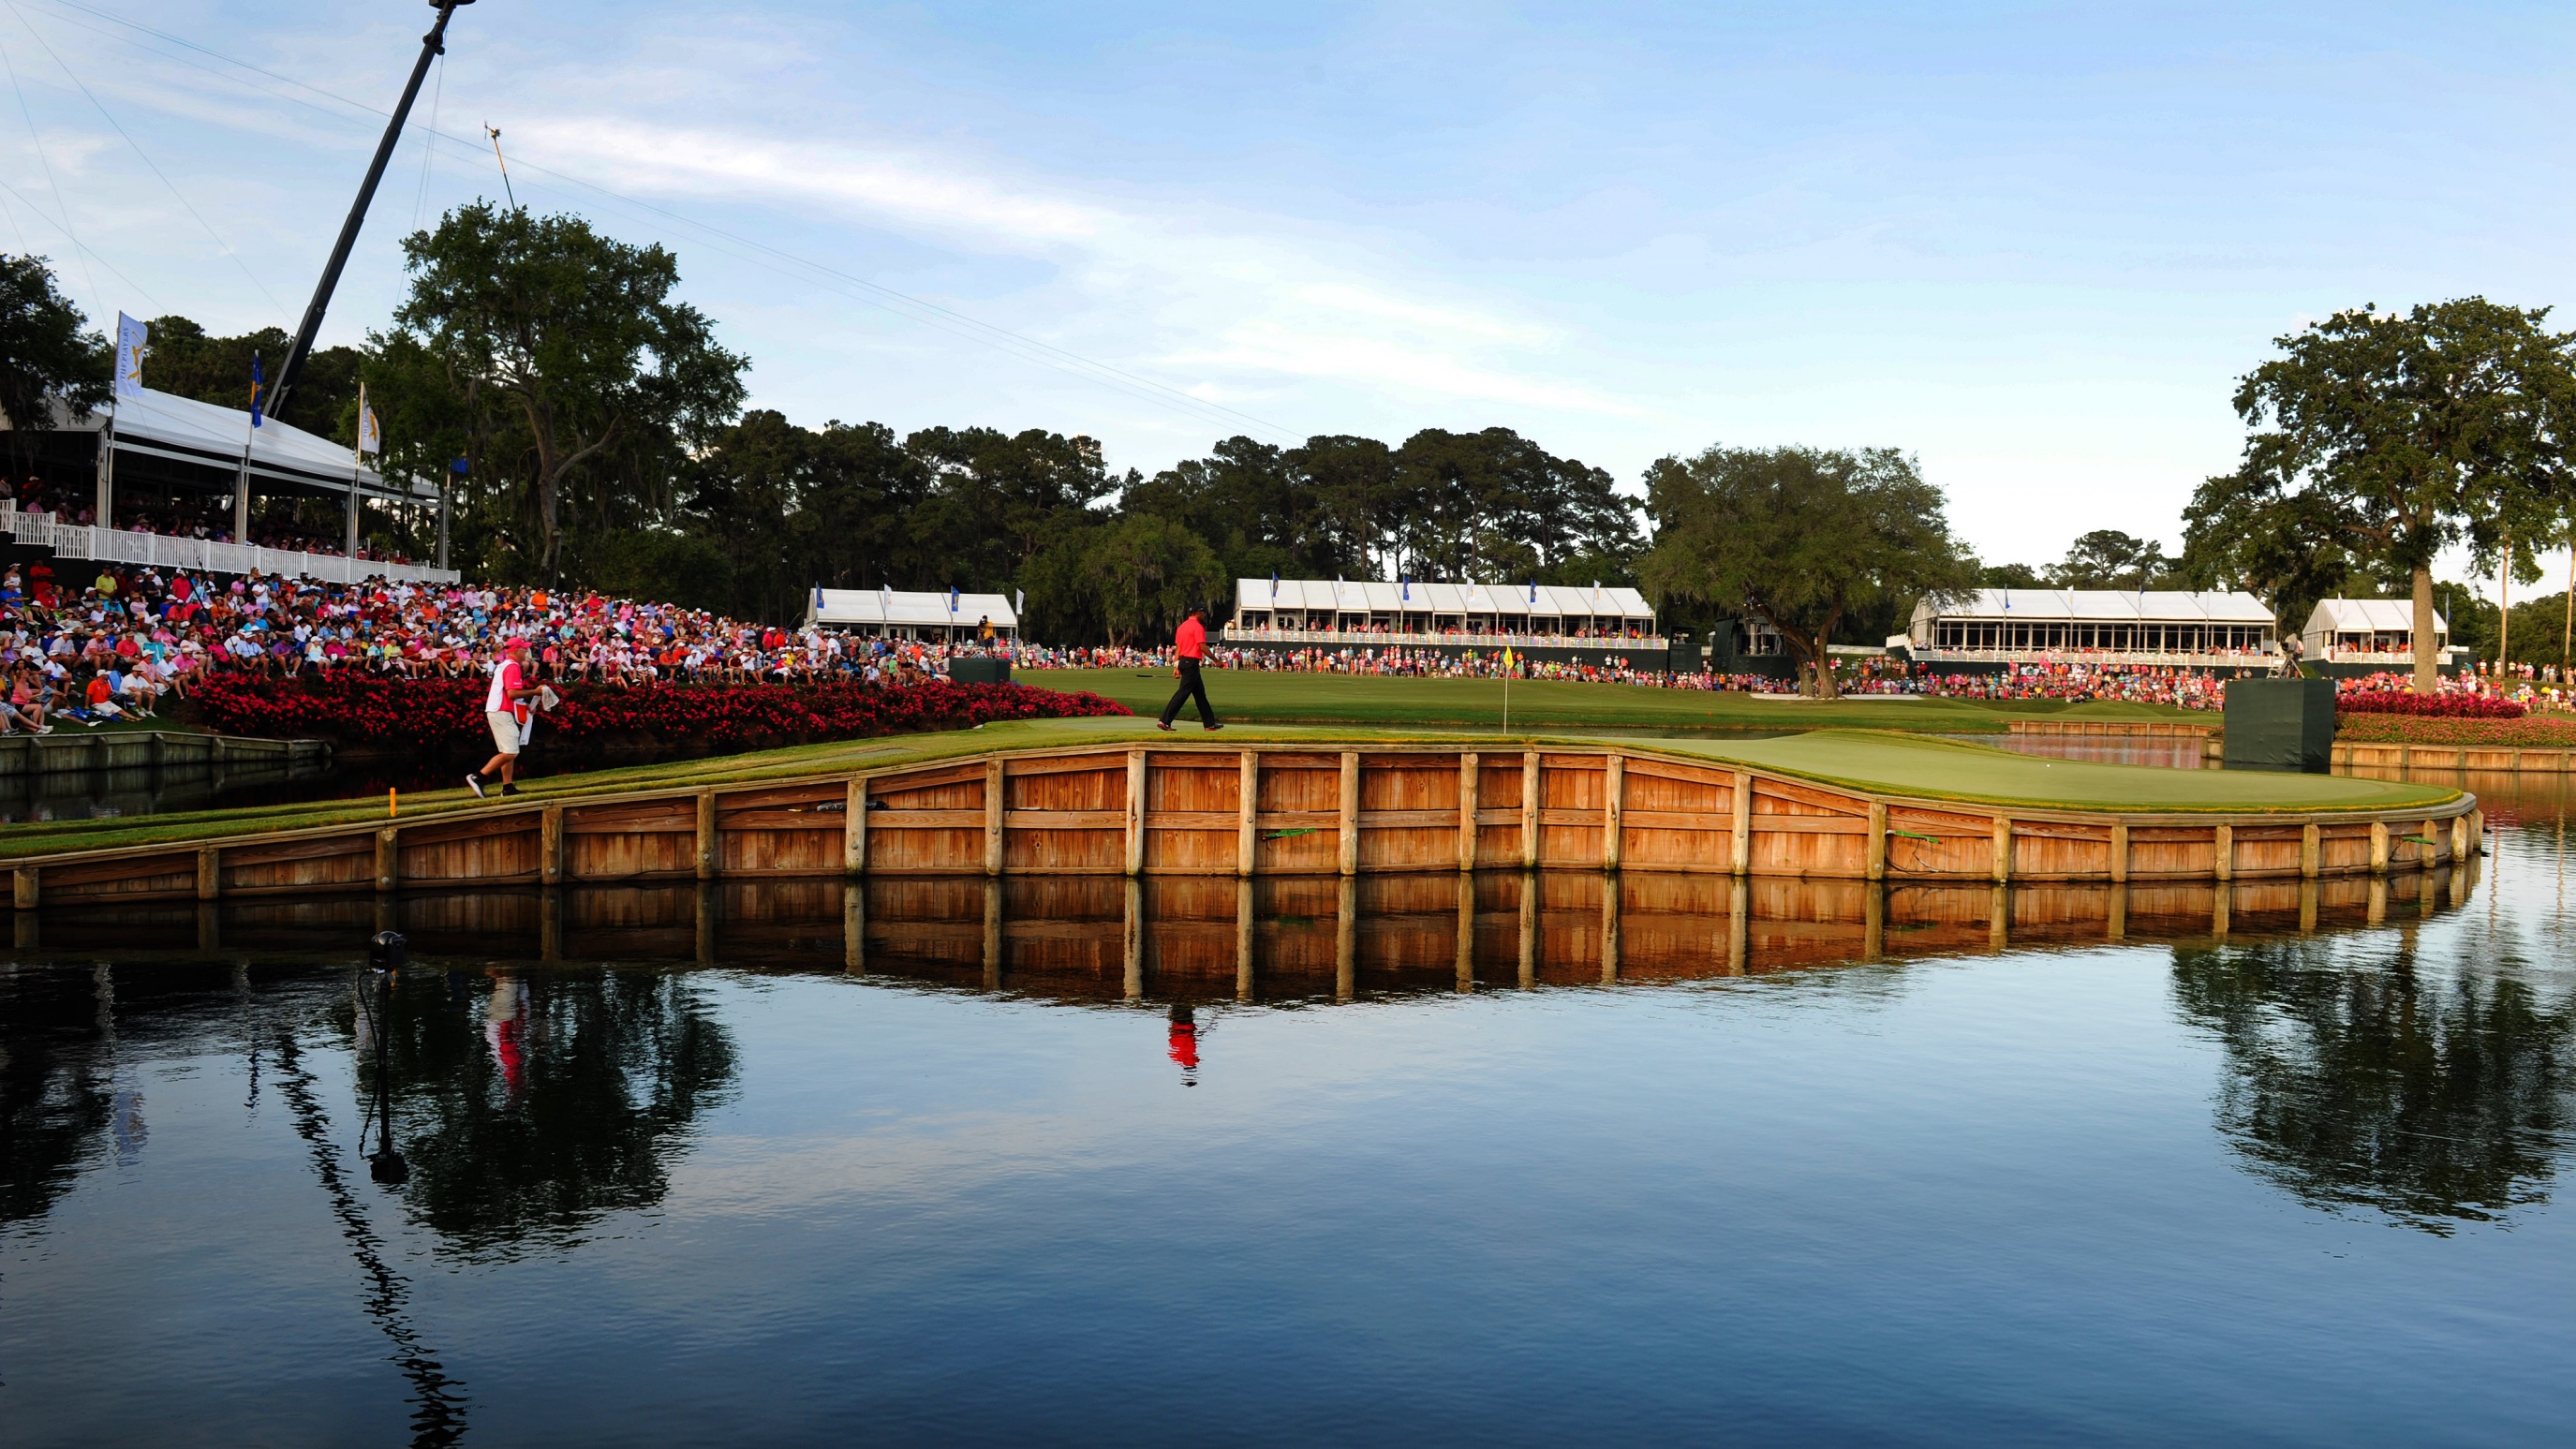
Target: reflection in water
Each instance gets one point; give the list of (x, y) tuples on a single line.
[(2366, 1077), (56, 1092), (526, 1104)]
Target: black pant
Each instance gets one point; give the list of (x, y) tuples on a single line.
[(1190, 688)]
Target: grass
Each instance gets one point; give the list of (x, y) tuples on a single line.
[(1254, 697), (1864, 760)]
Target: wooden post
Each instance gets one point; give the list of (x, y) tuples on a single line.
[(2478, 830), (1614, 778), (1999, 917), (854, 829), (706, 835), (2459, 840), (1350, 855), (2222, 852), (1243, 939), (2377, 912), (1529, 929), (854, 926), (1739, 925), (1466, 957), (2003, 849), (550, 845), (1610, 930), (1135, 812), (2119, 854), (1529, 810), (710, 911), (2379, 847), (993, 930), (210, 872), (1874, 852), (995, 793), (388, 857), (2119, 924), (1346, 940), (210, 928), (2312, 853), (29, 877), (1467, 768), (2220, 898), (1743, 837), (2307, 907), (1873, 923), (1133, 942), (1247, 810)]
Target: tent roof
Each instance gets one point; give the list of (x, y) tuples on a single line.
[(869, 606), (190, 431), (1356, 596), (2118, 606), (2368, 616)]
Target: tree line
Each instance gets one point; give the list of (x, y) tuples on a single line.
[(591, 431)]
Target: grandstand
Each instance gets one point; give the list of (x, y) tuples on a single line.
[(1988, 629)]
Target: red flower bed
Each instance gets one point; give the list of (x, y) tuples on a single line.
[(2546, 732), (2428, 706), (363, 713)]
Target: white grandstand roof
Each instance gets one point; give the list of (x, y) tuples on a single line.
[(188, 431), (1361, 596), (870, 606), (2155, 606), (2369, 616)]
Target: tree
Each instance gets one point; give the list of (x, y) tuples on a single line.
[(2381, 439), (1145, 572), (994, 500), (1801, 537), (575, 339), (2009, 576), (47, 356), (2106, 558)]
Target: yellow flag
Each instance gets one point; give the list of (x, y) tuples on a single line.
[(1507, 656)]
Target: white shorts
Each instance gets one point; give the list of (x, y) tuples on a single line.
[(505, 730)]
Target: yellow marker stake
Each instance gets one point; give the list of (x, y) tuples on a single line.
[(392, 805)]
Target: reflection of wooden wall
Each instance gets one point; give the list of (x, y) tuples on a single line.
[(1271, 813), (1105, 936)]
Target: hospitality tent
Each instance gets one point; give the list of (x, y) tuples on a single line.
[(898, 614), (2124, 626), (1436, 609)]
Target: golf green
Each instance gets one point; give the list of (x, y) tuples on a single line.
[(1873, 761), (1261, 697)]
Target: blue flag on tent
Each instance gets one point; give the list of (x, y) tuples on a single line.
[(258, 381), (1408, 587)]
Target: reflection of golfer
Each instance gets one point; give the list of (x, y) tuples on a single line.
[(1185, 1042), (1189, 643)]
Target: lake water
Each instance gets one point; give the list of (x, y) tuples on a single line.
[(1787, 1165)]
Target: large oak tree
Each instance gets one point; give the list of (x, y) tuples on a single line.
[(2379, 440), (1801, 537), (48, 353)]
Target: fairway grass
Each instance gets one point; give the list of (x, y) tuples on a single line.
[(1260, 697), (1877, 762)]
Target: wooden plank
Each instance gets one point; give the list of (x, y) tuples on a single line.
[(1247, 839), (967, 819), (993, 819), (1064, 819), (1467, 780), (1613, 782), (1350, 813), (1135, 821)]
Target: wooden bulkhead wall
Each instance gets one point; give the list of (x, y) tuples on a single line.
[(1266, 811)]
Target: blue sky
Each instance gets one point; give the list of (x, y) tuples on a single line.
[(2033, 245)]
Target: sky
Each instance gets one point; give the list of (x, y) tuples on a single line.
[(2034, 246)]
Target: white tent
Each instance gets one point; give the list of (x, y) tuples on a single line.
[(899, 614), (1421, 607), (2367, 631)]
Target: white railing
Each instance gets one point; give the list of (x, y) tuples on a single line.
[(2404, 658), (159, 550), (1369, 639), (2124, 659)]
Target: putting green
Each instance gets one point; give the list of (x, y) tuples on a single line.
[(1871, 761), (1255, 697)]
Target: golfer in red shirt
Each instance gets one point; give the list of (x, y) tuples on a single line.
[(1190, 643)]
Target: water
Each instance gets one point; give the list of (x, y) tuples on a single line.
[(1897, 1181)]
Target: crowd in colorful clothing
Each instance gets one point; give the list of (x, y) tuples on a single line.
[(129, 639)]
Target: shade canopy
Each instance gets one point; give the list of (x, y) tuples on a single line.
[(872, 608), (1371, 596)]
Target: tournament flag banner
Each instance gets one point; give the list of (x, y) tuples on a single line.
[(130, 339), (1019, 602), (258, 380), (371, 437)]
